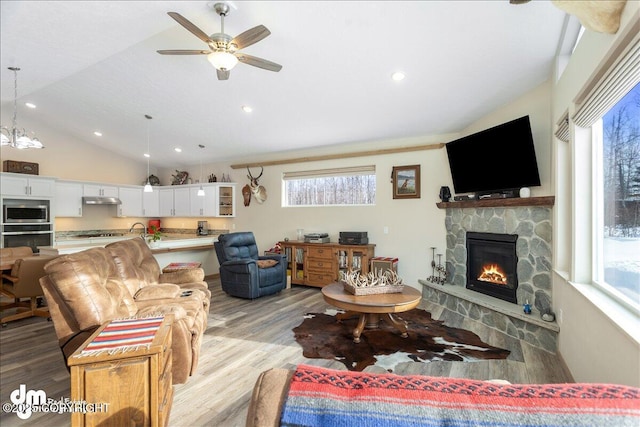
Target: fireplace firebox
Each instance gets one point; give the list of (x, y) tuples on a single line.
[(492, 264)]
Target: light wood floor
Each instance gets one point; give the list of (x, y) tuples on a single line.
[(243, 339)]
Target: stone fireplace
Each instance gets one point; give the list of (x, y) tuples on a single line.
[(524, 226), (492, 264), (532, 225)]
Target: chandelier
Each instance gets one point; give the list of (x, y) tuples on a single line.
[(14, 137)]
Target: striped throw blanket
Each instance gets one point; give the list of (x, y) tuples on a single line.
[(125, 334), (324, 397)]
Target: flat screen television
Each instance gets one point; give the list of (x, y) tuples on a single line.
[(498, 159)]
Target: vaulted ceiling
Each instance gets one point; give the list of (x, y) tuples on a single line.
[(91, 65)]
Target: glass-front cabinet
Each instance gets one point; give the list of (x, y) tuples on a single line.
[(226, 205), (319, 264), (353, 259)]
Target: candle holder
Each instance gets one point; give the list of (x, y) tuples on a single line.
[(438, 270)]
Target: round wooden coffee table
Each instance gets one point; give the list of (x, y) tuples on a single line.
[(371, 309)]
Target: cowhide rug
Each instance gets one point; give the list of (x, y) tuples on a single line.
[(323, 337)]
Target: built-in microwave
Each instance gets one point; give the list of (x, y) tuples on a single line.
[(25, 211)]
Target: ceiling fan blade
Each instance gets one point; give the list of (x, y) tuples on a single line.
[(251, 36), (223, 75), (183, 52), (191, 27), (258, 62)]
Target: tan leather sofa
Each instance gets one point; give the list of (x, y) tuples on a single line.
[(89, 288)]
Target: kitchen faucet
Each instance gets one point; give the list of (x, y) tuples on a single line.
[(144, 229)]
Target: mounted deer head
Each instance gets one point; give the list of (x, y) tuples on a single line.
[(259, 192)]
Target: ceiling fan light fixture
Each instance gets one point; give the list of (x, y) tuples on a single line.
[(223, 61)]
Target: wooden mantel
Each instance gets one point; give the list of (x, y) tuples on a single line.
[(500, 203)]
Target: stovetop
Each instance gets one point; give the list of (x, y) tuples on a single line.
[(88, 236)]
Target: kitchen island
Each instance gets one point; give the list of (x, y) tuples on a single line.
[(171, 248)]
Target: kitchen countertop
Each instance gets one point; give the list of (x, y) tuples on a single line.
[(71, 244)]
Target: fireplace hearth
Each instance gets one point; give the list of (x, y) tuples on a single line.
[(492, 264)]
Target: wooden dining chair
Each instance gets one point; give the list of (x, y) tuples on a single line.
[(22, 285)]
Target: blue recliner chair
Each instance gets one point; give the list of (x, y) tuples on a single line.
[(240, 273)]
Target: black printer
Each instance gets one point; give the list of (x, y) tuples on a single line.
[(353, 238)]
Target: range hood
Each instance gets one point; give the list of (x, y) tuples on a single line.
[(101, 200)]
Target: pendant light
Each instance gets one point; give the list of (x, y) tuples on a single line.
[(147, 187), (201, 189)]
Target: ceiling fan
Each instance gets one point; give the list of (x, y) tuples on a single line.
[(224, 51)]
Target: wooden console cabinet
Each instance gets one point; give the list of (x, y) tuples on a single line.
[(136, 384), (318, 264)]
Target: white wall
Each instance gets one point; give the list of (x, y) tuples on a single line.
[(537, 106), (592, 340), (414, 225)]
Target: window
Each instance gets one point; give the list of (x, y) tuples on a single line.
[(617, 189), (330, 187)]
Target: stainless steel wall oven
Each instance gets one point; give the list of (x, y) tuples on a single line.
[(25, 211), (26, 223)]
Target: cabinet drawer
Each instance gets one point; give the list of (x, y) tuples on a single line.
[(324, 253), (320, 278), (321, 265)]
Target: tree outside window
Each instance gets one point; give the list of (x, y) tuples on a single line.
[(621, 196)]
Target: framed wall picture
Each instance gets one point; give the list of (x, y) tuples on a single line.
[(406, 182)]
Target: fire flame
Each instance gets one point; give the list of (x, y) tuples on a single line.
[(492, 273)]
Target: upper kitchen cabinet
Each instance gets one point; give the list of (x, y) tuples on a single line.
[(175, 202), (100, 190), (226, 200), (68, 199), (151, 204), (203, 205), (131, 198), (27, 186)]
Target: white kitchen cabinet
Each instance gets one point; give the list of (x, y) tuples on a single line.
[(151, 204), (27, 186), (225, 200), (175, 202), (203, 205), (165, 199), (181, 202), (131, 198), (68, 199), (100, 190)]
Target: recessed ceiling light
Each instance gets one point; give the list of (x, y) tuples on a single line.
[(147, 155), (30, 105), (178, 150), (97, 133), (397, 76), (247, 109)]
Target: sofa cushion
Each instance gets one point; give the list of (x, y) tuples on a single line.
[(87, 284), (135, 263), (159, 291)]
